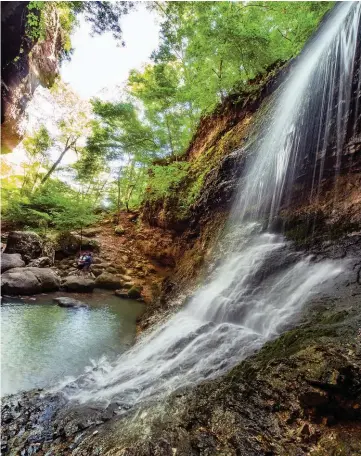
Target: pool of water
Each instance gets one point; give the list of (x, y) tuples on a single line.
[(42, 343)]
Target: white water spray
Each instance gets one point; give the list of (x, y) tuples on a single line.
[(261, 285)]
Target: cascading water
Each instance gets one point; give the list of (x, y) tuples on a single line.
[(261, 285)]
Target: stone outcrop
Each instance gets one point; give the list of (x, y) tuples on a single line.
[(42, 262), (133, 292), (78, 284), (64, 301), (108, 281), (68, 244), (27, 243), (11, 260), (26, 63), (25, 281)]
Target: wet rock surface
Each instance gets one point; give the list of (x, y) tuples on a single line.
[(108, 281), (64, 301), (78, 284), (300, 392)]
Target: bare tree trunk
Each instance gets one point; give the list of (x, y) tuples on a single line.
[(67, 147), (170, 136), (54, 166), (118, 196), (81, 239)]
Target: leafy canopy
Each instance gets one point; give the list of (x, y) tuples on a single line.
[(207, 51)]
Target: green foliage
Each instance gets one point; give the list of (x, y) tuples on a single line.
[(207, 51), (220, 45), (35, 21), (39, 143), (74, 215), (54, 205), (164, 179), (104, 16)]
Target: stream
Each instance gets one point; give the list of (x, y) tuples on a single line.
[(42, 343)]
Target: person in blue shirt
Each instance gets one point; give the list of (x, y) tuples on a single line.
[(88, 260), (85, 261)]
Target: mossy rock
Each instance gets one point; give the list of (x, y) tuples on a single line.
[(108, 281), (119, 230), (135, 292)]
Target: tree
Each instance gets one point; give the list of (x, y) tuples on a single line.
[(221, 45), (103, 15), (37, 148), (118, 135), (72, 128)]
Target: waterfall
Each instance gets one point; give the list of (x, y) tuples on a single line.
[(261, 285)]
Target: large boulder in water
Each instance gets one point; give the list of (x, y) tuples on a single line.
[(11, 260), (25, 281), (64, 301), (108, 281), (27, 243), (135, 292), (79, 284)]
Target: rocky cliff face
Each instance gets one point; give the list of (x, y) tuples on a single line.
[(312, 212), (26, 63)]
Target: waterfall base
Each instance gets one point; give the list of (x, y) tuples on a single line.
[(300, 391)]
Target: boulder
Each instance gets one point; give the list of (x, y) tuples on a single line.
[(27, 243), (135, 292), (125, 278), (108, 281), (42, 262), (11, 260), (26, 281), (79, 284), (103, 265), (69, 244), (119, 230), (49, 250), (96, 271), (64, 301), (121, 294), (120, 268), (90, 232), (97, 260)]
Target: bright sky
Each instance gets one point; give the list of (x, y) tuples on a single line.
[(99, 63)]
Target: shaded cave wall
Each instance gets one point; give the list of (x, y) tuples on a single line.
[(25, 64)]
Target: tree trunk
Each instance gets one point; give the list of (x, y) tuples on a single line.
[(170, 136), (54, 166), (81, 239), (118, 197)]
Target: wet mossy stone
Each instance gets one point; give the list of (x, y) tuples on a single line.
[(108, 281), (135, 292), (119, 230)]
